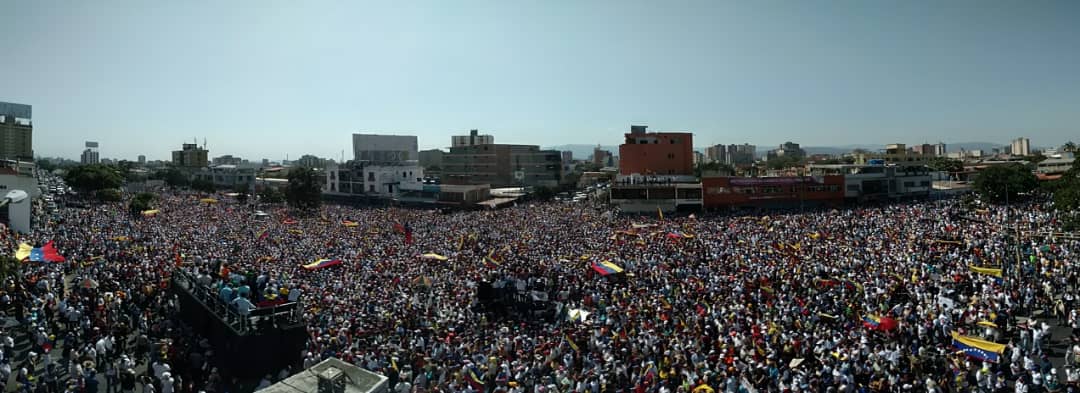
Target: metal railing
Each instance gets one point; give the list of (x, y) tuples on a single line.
[(277, 316)]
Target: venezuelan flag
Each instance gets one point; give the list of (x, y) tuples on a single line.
[(263, 234), (350, 224), (322, 263), (985, 270), (571, 343), (607, 268), (871, 321), (475, 381), (980, 349)]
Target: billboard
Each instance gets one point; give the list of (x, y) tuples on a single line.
[(21, 111), (91, 144)]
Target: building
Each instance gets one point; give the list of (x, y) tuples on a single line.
[(90, 154), (601, 157), (1055, 165), (656, 153), (699, 158), (894, 153), (142, 159), (880, 182), (647, 197), (474, 138), (227, 159), (939, 150), (385, 148), (502, 165), (1021, 147), (788, 149), (190, 155), (743, 154), (716, 153), (310, 161), (432, 160), (16, 132), (228, 176), (728, 192), (449, 195), (567, 156), (373, 179), (924, 149)]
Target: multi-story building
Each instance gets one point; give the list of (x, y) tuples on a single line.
[(880, 182), (142, 159), (502, 165), (310, 161), (743, 154), (939, 150), (788, 149), (474, 138), (699, 158), (90, 154), (894, 153), (727, 192), (227, 159), (373, 179), (228, 176), (16, 132), (716, 153), (567, 156), (432, 160), (1021, 147), (656, 153), (190, 155), (924, 149), (385, 148), (601, 157)]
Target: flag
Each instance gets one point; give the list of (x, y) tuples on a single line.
[(224, 271), (408, 234), (296, 231), (871, 321), (434, 256), (461, 242), (322, 263), (491, 262), (606, 268), (350, 223), (985, 270), (46, 253), (399, 228), (176, 255), (475, 381), (263, 234), (289, 221), (980, 349), (659, 213), (571, 343)]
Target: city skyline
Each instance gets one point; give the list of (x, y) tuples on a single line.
[(262, 82)]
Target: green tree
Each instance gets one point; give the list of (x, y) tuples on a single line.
[(945, 164), (203, 185), (1001, 183), (109, 195), (1069, 147), (173, 177), (45, 165), (271, 195), (141, 202), (91, 178), (782, 162), (303, 191), (713, 167)]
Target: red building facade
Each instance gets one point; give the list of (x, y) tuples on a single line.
[(657, 153), (727, 192)]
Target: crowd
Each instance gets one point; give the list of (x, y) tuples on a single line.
[(856, 299)]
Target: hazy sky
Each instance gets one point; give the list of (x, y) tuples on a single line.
[(265, 79)]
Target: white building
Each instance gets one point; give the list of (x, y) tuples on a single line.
[(1021, 147), (228, 176), (381, 180), (385, 148)]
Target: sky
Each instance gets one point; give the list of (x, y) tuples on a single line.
[(266, 79)]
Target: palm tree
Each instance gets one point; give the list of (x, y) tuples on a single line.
[(1069, 147)]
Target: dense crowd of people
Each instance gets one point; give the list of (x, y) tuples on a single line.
[(854, 299)]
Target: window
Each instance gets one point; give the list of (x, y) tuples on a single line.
[(371, 176), (402, 174), (853, 187), (670, 156), (909, 184), (924, 184), (673, 141), (371, 188)]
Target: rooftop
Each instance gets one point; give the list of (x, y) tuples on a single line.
[(357, 379)]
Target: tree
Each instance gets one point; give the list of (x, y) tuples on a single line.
[(944, 164), (271, 195), (303, 191), (1002, 183), (90, 178), (203, 185), (782, 162), (173, 177), (109, 195), (45, 164), (1069, 147), (141, 202)]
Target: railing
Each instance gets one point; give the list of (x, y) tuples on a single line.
[(282, 315)]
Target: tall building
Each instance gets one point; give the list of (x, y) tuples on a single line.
[(385, 148), (716, 153), (474, 138), (1021, 147), (743, 154), (190, 155), (90, 154), (432, 159), (502, 166), (788, 149), (142, 159), (310, 161), (16, 132), (227, 159), (601, 157), (924, 149), (939, 150), (656, 153), (567, 156)]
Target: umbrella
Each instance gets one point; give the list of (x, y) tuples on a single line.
[(89, 284)]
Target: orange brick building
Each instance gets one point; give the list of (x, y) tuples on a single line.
[(656, 153)]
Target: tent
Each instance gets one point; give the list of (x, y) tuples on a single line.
[(606, 268)]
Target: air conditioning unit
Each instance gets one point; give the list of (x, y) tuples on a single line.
[(332, 380)]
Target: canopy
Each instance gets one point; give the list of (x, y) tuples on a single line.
[(606, 268), (434, 256), (150, 213)]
